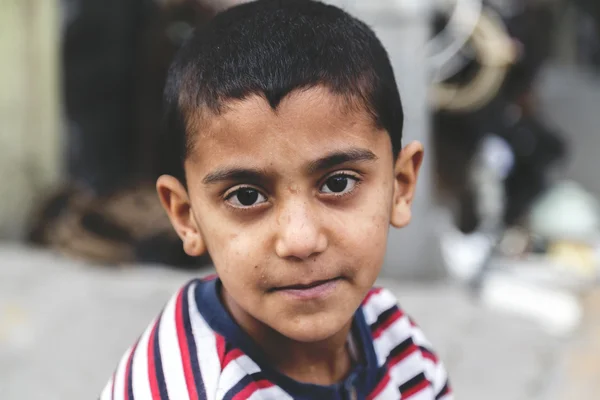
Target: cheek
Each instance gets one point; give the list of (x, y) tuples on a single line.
[(369, 248), (372, 217), (238, 255), (368, 240), (362, 233)]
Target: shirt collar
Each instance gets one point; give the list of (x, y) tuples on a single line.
[(363, 377)]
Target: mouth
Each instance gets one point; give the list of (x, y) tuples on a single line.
[(304, 286), (310, 290)]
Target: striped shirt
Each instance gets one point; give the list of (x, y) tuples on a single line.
[(194, 350)]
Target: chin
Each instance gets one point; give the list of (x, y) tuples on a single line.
[(310, 330)]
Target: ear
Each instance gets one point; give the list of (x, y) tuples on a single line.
[(406, 172), (175, 200)]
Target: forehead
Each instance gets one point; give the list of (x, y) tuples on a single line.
[(306, 123)]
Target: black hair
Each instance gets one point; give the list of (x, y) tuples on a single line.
[(271, 48)]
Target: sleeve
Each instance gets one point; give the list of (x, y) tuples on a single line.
[(390, 327), (132, 371), (107, 392), (119, 385), (435, 371), (164, 363)]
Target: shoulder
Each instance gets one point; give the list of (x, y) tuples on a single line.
[(391, 327), (401, 346), (163, 362)]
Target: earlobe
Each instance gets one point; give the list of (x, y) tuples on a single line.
[(401, 215), (406, 172), (194, 246), (175, 200)]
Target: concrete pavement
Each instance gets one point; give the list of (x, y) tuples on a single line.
[(64, 325)]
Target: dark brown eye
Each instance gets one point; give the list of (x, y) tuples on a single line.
[(339, 184), (246, 197)]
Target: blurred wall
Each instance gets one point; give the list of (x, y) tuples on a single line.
[(29, 108), (403, 28), (570, 100)]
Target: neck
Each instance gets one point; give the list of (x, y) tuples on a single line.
[(321, 363)]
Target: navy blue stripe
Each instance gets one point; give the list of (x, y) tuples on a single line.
[(160, 375), (228, 347), (130, 375), (402, 347), (384, 316), (426, 351), (241, 385), (189, 337), (443, 392), (412, 383)]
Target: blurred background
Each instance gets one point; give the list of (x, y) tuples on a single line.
[(500, 265)]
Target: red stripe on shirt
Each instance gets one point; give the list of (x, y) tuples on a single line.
[(447, 390), (251, 388), (184, 348), (387, 323), (220, 342), (371, 293), (232, 355), (226, 358), (128, 372), (151, 364), (415, 390), (380, 386), (112, 389), (399, 357), (429, 355)]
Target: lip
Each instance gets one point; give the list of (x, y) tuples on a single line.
[(312, 290)]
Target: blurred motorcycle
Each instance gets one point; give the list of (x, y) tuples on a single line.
[(493, 151)]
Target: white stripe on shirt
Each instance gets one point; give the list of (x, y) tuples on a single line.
[(170, 354), (107, 392), (390, 391), (235, 371), (206, 347), (425, 394), (395, 334), (405, 369), (120, 376), (271, 393), (377, 304), (139, 369)]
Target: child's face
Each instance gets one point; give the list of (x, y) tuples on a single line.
[(294, 208)]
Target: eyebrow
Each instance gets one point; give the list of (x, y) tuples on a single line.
[(234, 174), (324, 163), (341, 157)]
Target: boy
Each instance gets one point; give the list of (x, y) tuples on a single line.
[(285, 123)]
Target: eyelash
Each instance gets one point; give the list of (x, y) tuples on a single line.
[(344, 174), (231, 193)]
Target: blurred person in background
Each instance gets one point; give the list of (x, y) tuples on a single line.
[(503, 120), (497, 148), (115, 56)]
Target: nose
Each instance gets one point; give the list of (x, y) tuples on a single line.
[(299, 232)]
